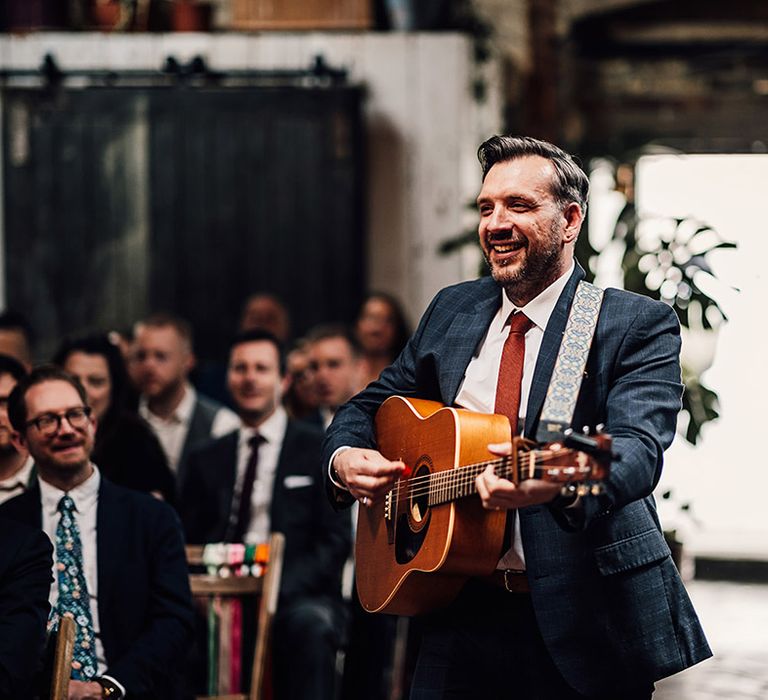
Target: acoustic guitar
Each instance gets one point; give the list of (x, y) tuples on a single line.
[(417, 546)]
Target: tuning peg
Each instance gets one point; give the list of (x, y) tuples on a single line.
[(600, 427), (596, 489), (585, 430)]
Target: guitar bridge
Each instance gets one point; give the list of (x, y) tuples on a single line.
[(388, 505)]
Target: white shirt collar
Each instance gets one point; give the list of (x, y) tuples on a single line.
[(540, 308), (272, 429), (21, 477), (183, 412), (84, 495)]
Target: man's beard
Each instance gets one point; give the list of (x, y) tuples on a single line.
[(535, 273)]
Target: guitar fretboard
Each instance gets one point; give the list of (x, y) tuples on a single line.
[(452, 484)]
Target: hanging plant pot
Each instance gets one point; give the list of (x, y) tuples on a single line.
[(108, 15), (191, 16)]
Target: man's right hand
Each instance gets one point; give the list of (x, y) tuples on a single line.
[(367, 473)]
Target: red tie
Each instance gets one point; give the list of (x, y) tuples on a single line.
[(511, 369)]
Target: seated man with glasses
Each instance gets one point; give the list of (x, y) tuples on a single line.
[(119, 564)]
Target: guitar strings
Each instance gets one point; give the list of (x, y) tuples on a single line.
[(465, 475)]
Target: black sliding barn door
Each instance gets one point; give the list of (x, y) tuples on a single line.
[(122, 201)]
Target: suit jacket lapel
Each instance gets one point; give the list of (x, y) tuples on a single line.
[(550, 345), (463, 336), (108, 543), (30, 505), (287, 451), (225, 474)]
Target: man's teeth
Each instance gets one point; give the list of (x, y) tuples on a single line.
[(506, 248)]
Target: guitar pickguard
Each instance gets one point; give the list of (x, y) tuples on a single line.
[(413, 512)]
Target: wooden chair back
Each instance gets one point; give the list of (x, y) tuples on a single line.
[(62, 659), (266, 587)]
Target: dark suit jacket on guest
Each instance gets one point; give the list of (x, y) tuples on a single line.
[(145, 609), (199, 433), (609, 602), (25, 581), (317, 539)]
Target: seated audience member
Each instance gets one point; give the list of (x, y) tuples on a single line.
[(259, 312), (266, 312), (336, 364), (300, 399), (16, 466), (16, 337), (180, 416), (267, 477), (120, 567), (126, 450), (382, 332), (25, 579)]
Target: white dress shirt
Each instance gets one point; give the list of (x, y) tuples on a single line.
[(17, 483), (272, 431), (477, 391), (172, 431)]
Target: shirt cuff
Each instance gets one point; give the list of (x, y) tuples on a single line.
[(116, 682), (332, 475)]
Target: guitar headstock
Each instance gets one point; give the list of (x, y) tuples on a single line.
[(575, 459)]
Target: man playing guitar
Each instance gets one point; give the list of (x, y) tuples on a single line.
[(585, 602)]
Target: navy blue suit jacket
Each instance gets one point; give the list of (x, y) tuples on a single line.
[(145, 608), (317, 539), (608, 599), (25, 581)]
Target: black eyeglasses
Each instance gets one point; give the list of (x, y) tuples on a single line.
[(50, 423)]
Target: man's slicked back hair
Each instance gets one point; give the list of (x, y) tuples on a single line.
[(570, 184)]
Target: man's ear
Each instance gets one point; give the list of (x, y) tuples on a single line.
[(18, 441), (574, 218)]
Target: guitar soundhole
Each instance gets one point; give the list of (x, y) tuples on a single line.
[(412, 525)]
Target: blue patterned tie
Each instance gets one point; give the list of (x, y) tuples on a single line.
[(74, 600)]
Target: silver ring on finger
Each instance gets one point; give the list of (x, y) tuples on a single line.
[(365, 500)]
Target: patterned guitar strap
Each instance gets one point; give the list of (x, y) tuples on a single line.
[(74, 600), (564, 387)]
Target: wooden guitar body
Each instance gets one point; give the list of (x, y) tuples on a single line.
[(412, 557)]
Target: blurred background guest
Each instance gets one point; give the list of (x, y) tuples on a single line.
[(382, 331), (265, 312), (301, 399), (335, 360), (16, 466), (181, 417), (126, 450), (16, 337)]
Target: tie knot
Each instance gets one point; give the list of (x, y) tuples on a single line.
[(519, 323), (66, 505), (255, 441)]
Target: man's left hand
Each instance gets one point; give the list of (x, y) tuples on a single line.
[(84, 690), (497, 493)]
